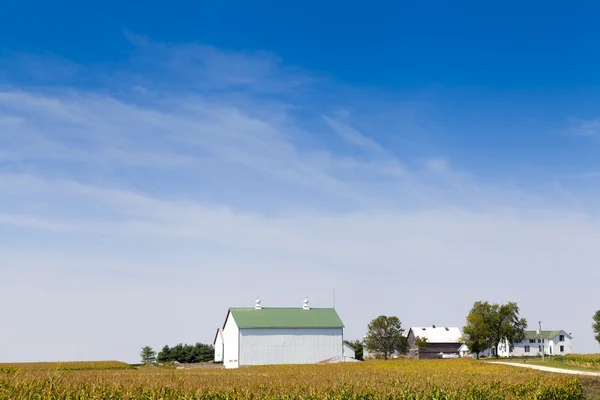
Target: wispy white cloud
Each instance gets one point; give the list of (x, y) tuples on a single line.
[(582, 127), (352, 136), (207, 180), (172, 244)]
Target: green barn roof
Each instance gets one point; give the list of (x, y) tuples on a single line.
[(286, 318)]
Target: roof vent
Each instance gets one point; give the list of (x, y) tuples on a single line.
[(305, 305), (257, 305), (433, 326)]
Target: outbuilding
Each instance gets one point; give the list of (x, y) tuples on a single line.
[(442, 342), (265, 335)]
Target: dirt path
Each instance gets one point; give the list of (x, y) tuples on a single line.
[(548, 369)]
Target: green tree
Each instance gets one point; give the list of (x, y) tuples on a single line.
[(421, 342), (148, 355), (357, 345), (165, 355), (385, 336), (506, 324), (490, 324), (187, 353), (596, 326), (477, 331)]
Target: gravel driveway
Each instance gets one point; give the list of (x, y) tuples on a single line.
[(548, 369)]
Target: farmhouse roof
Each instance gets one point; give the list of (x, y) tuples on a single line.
[(438, 334), (545, 334), (286, 318)]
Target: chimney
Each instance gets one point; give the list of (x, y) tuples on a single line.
[(305, 305), (257, 305), (433, 326)]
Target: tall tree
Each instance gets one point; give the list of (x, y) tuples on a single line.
[(357, 345), (385, 336), (164, 355), (490, 324), (506, 325), (476, 331), (148, 355), (596, 326)]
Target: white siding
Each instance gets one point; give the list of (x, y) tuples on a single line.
[(219, 346), (551, 346), (231, 335), (349, 351), (555, 344), (289, 346)]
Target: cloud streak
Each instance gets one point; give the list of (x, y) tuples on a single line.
[(212, 179)]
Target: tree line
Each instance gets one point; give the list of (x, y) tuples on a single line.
[(182, 353)]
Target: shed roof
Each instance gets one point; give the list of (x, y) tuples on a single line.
[(545, 334), (438, 334), (219, 334), (286, 318)]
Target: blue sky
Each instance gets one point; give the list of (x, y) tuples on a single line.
[(162, 162)]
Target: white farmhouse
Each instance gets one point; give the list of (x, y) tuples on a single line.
[(556, 342), (264, 335)]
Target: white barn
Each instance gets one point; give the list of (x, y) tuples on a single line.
[(218, 345), (553, 342), (262, 336)]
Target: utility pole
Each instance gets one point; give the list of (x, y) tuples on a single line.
[(541, 338)]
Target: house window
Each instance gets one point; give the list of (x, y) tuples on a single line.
[(540, 348), (550, 350), (527, 348), (531, 340), (512, 348), (562, 349), (561, 338), (539, 340)]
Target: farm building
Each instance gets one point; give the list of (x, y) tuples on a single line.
[(218, 345), (554, 342), (265, 335), (440, 340)]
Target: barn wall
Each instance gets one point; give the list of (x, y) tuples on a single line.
[(349, 351), (219, 347), (289, 346), (231, 343), (434, 349)]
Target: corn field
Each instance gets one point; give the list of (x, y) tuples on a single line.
[(67, 365), (582, 360), (374, 380)]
